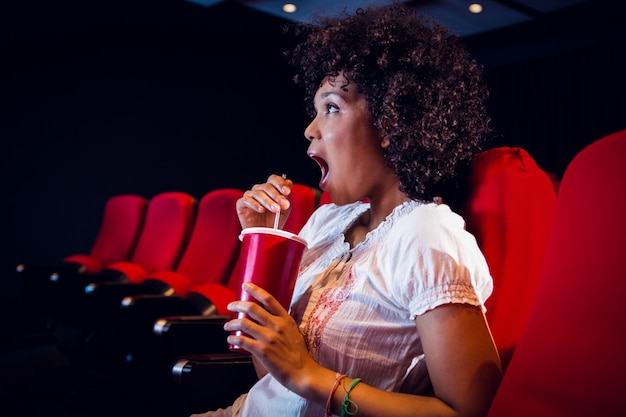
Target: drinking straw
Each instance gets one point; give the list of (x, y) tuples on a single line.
[(277, 218)]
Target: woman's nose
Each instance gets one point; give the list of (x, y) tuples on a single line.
[(311, 132)]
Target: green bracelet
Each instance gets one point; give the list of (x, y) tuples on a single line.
[(347, 402)]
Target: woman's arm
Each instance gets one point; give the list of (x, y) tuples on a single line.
[(462, 362), (459, 351)]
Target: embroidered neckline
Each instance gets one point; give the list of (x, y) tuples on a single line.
[(380, 231), (337, 247)]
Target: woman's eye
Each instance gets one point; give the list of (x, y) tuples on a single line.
[(331, 108)]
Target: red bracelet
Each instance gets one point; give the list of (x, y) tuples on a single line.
[(338, 378)]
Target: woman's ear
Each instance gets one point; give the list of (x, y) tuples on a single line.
[(384, 141)]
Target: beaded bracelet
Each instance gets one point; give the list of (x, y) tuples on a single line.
[(347, 402), (338, 378)]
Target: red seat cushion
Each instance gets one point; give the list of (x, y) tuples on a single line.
[(220, 296)]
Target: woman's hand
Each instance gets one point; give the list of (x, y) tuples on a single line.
[(273, 337), (258, 206)]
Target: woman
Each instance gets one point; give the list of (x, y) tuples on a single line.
[(387, 317)]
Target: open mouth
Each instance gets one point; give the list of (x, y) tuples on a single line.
[(324, 168)]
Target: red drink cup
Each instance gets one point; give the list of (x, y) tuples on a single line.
[(270, 258)]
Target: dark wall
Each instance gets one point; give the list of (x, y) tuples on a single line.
[(135, 96), (557, 84)]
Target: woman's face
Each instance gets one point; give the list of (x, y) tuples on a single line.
[(344, 142)]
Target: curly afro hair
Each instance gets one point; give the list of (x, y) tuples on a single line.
[(421, 85)]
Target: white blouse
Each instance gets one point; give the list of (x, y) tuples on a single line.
[(356, 306)]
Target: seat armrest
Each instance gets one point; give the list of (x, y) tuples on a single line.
[(129, 330), (40, 293), (42, 272), (136, 315), (156, 305), (78, 279), (110, 294), (68, 289), (187, 335), (132, 329), (168, 326), (102, 300), (213, 381), (64, 292), (114, 289)]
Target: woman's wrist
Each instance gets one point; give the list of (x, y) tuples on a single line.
[(316, 384)]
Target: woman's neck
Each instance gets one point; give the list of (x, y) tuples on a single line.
[(380, 209)]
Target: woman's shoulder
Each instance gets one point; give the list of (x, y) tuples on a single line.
[(427, 224), (426, 215)]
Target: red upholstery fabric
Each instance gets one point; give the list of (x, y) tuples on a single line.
[(219, 294), (325, 198), (569, 361), (213, 248), (121, 225), (168, 224), (302, 200), (509, 209), (87, 262), (179, 283)]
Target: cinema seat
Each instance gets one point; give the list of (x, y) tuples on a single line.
[(122, 222), (569, 359)]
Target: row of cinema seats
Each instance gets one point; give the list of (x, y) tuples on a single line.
[(169, 245), (555, 313), (173, 253), (126, 330), (137, 237)]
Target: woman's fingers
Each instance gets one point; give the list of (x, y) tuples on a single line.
[(272, 194), (257, 206), (260, 316), (258, 311)]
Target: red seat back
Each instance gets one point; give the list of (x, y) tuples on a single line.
[(569, 361), (509, 208), (302, 200), (166, 230), (324, 198), (121, 226), (214, 244)]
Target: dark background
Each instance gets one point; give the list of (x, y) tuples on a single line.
[(134, 96)]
